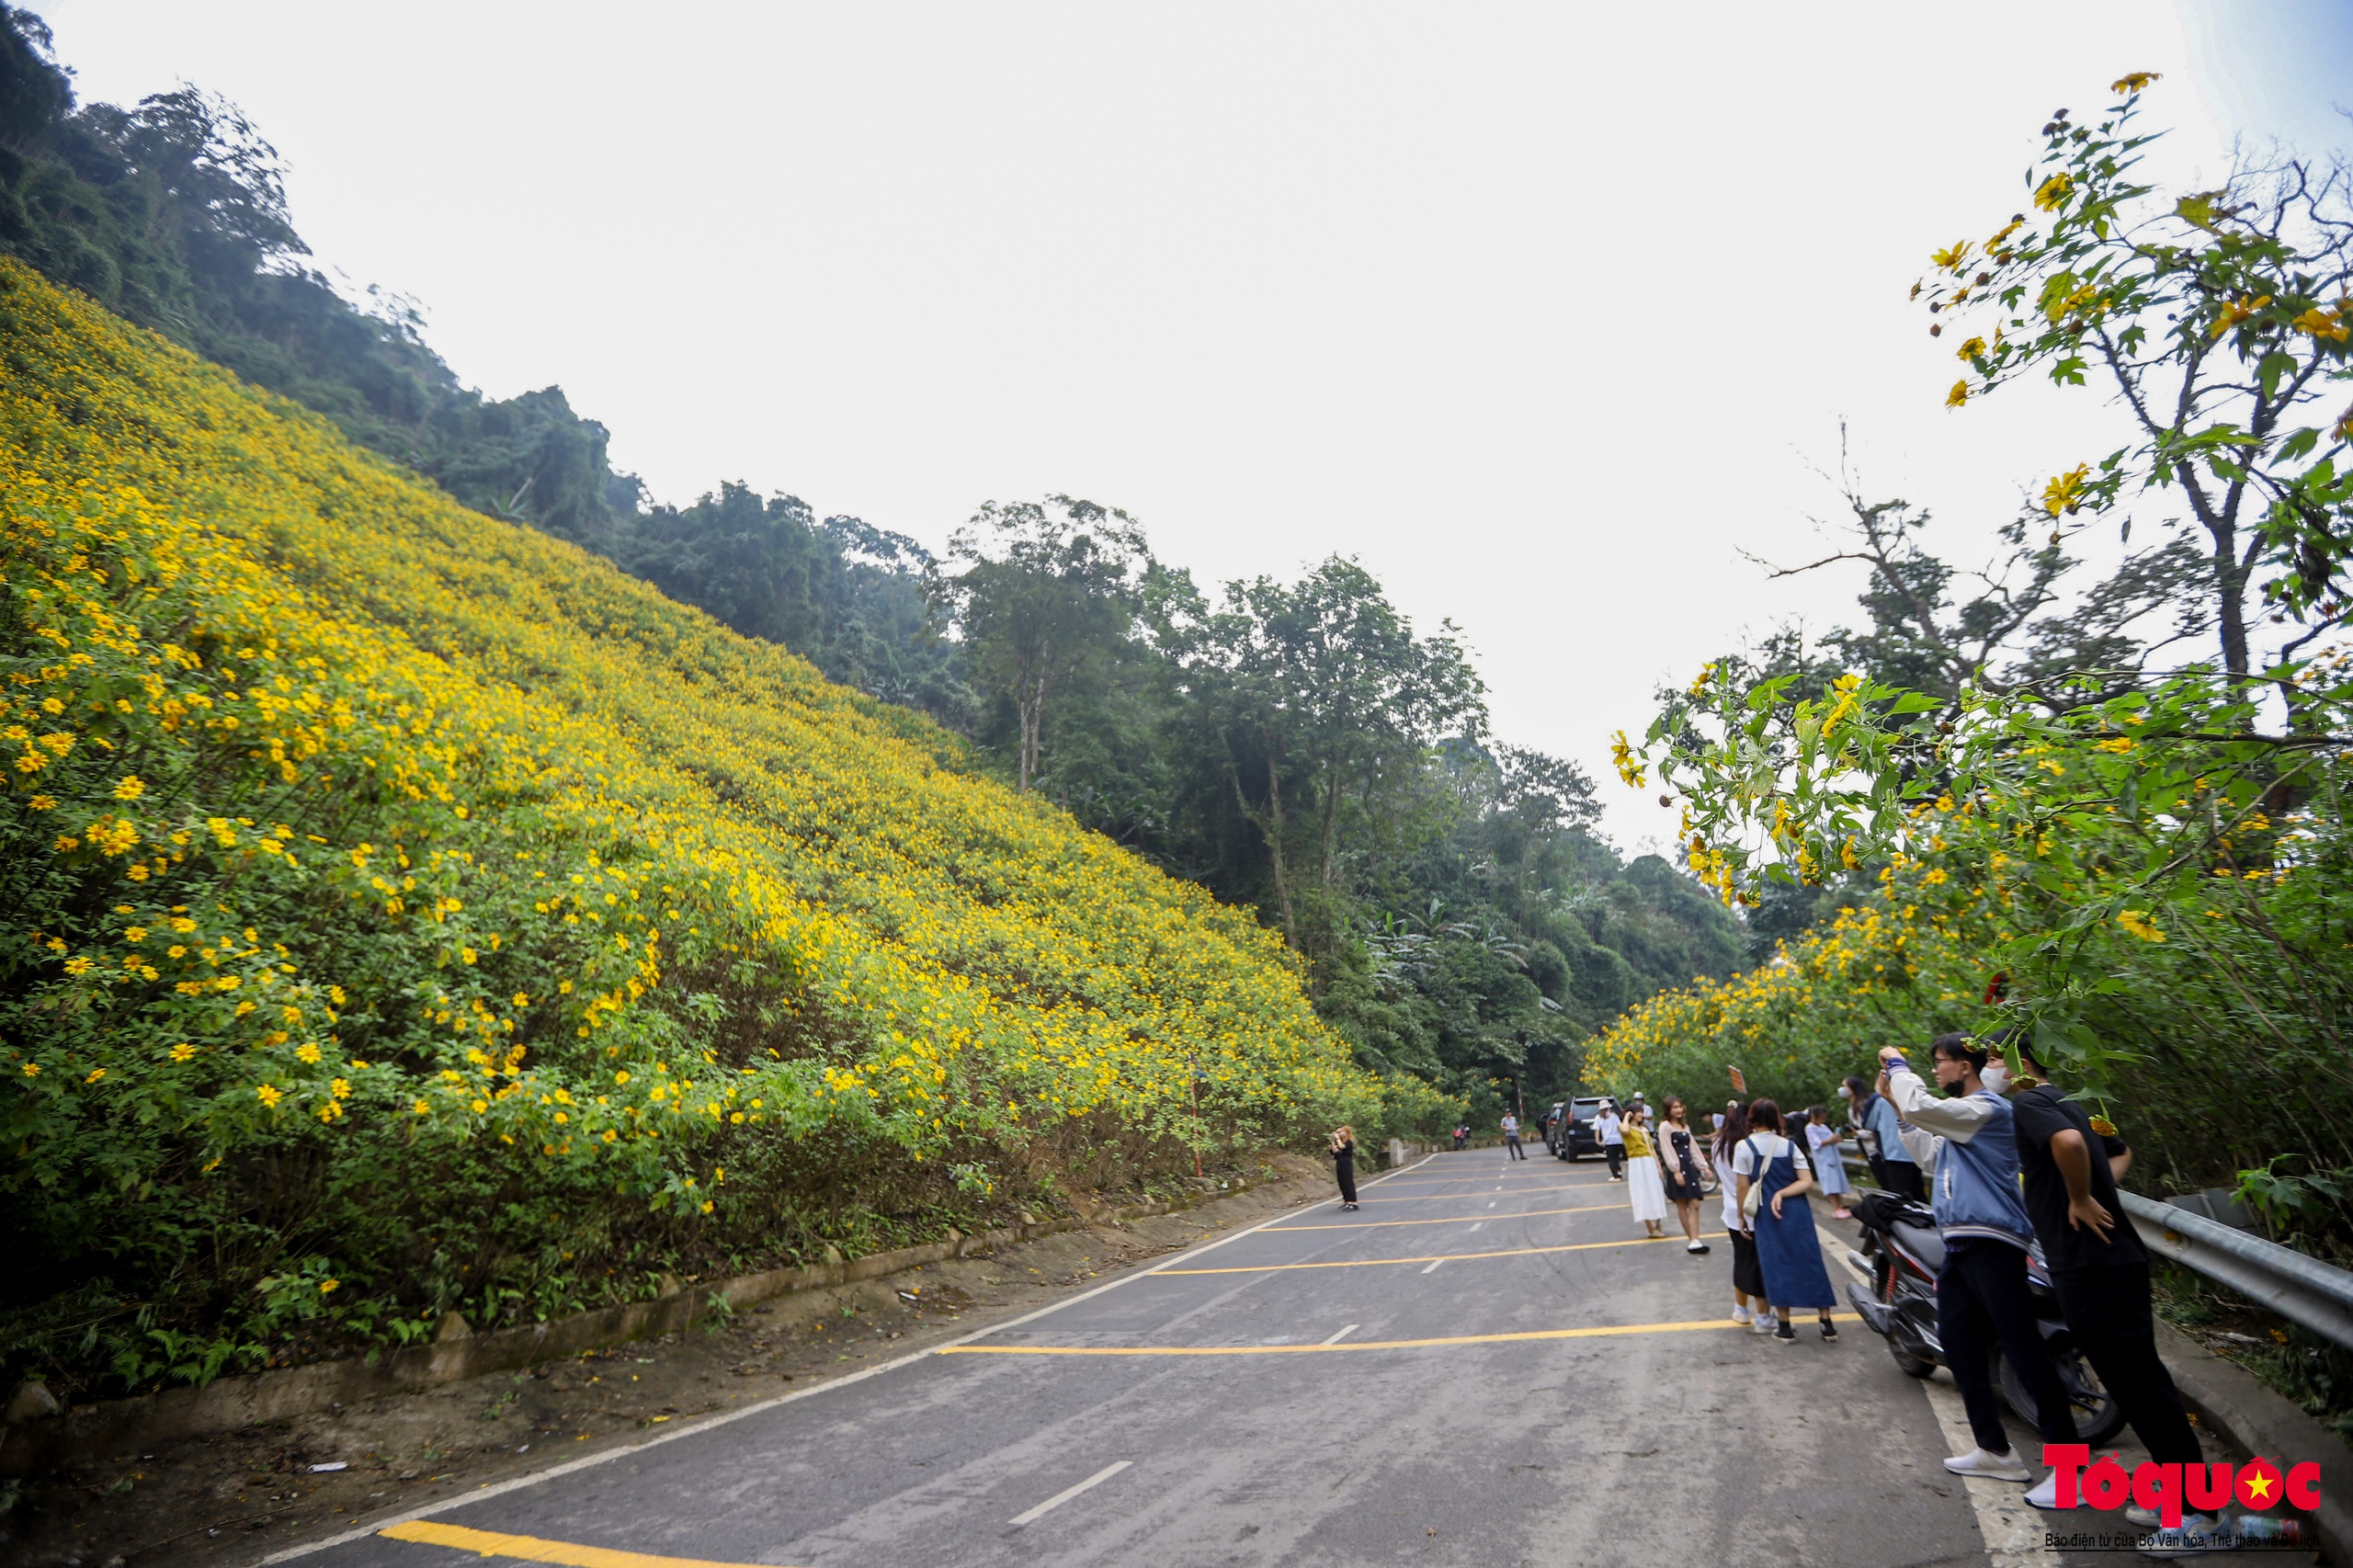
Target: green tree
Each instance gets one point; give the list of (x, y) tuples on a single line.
[(2220, 319), (1323, 708), (1048, 591)]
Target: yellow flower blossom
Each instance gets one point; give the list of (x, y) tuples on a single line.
[(2065, 491)]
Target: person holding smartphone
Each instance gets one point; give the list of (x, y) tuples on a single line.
[(1344, 1163), (1982, 1297)]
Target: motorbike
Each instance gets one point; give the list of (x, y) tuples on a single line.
[(1902, 1252)]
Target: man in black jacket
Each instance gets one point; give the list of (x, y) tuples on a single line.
[(2098, 1263)]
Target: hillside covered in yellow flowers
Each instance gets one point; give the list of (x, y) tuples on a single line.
[(405, 911)]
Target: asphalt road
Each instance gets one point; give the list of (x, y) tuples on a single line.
[(1483, 1365)]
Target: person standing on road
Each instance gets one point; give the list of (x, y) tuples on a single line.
[(1787, 1247), (2098, 1266), (1747, 1280), (1893, 1166), (1830, 1162), (1344, 1164), (1679, 1168), (1512, 1150), (1981, 1295), (1643, 1189), (1609, 1130)]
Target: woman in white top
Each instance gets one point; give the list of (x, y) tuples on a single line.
[(1788, 1250), (1643, 1189), (1747, 1279)]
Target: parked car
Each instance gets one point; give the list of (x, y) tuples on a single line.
[(1555, 1120), (1578, 1138)]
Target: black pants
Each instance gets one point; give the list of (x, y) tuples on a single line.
[(1900, 1177), (1982, 1301), (1512, 1144), (1347, 1166), (1747, 1274), (1616, 1155), (2107, 1311)]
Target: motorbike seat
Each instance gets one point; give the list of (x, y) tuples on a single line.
[(1922, 1242)]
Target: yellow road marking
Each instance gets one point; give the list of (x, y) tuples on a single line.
[(1562, 1187), (531, 1549), (1350, 1345), (1428, 1257), (1457, 1220)]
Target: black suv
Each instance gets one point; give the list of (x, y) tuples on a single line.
[(1577, 1138), (1553, 1121)]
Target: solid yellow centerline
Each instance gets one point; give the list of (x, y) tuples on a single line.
[(1458, 1219), (1557, 1187), (1349, 1345), (531, 1549), (1426, 1257)]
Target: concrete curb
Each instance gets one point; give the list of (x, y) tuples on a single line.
[(2231, 1401), (92, 1432)]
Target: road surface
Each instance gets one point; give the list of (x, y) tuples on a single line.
[(1485, 1364)]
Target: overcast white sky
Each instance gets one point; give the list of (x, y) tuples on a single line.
[(1546, 313)]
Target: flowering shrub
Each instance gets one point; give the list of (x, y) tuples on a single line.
[(410, 906), (1796, 1025), (2149, 885)]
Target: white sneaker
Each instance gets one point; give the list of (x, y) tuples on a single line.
[(2147, 1518), (1990, 1467), (2045, 1494), (1761, 1323), (1742, 1314)]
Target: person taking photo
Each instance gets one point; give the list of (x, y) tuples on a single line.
[(1342, 1149), (1982, 1298), (1892, 1163)]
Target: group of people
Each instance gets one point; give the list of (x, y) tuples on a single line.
[(2013, 1160), (1664, 1165)]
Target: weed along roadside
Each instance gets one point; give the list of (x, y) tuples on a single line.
[(135, 1480)]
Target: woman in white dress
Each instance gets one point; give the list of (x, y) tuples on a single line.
[(1644, 1187), (1823, 1141)]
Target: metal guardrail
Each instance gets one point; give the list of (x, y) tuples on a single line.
[(2302, 1290)]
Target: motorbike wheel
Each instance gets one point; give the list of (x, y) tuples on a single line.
[(2098, 1417), (1914, 1366)]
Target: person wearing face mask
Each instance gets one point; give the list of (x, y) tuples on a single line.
[(1892, 1163), (1982, 1297)]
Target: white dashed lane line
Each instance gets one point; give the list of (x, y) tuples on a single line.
[(1067, 1493)]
